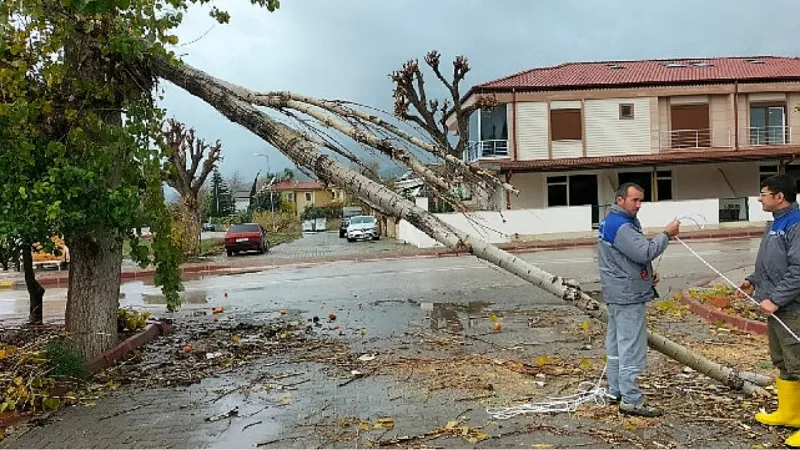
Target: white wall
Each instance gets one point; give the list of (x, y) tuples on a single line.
[(532, 130), (755, 212), (658, 214), (498, 228), (567, 149), (607, 134)]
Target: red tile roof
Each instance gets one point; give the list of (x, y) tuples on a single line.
[(299, 186), (650, 72), (668, 157)]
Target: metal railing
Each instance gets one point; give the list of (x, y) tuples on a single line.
[(702, 138), (774, 135), (491, 149)]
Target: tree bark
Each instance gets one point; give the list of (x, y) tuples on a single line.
[(35, 290), (226, 98), (93, 295), (190, 216)]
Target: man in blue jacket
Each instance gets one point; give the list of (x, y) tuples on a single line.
[(775, 284), (625, 259)]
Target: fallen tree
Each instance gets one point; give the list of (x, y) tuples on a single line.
[(236, 103)]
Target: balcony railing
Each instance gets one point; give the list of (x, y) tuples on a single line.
[(491, 149), (704, 138), (775, 135)]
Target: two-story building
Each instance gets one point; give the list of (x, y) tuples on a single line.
[(303, 194), (684, 129)]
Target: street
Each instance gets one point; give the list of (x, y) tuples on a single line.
[(428, 350)]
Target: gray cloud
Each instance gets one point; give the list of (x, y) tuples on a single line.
[(345, 48)]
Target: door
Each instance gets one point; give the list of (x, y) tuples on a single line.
[(583, 191), (768, 125), (690, 126), (643, 179)]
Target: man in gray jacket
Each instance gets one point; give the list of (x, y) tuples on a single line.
[(775, 284), (625, 258)]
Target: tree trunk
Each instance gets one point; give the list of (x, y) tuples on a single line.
[(225, 97), (35, 290), (190, 226), (93, 296)]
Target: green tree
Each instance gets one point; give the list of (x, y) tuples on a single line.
[(220, 201), (76, 85)]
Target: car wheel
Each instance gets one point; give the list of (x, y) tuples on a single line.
[(376, 238), (350, 240), (230, 253), (341, 235)]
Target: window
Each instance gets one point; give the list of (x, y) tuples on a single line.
[(664, 185), (765, 172), (289, 196), (565, 124), (643, 179), (489, 124), (245, 228), (557, 189), (768, 125), (625, 111), (308, 196)]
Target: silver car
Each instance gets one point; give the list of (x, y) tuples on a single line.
[(363, 227)]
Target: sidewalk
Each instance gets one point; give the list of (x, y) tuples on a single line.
[(130, 271)]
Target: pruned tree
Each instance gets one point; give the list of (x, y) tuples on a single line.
[(240, 105), (189, 162)]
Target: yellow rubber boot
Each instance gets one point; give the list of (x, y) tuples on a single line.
[(788, 412), (793, 440)]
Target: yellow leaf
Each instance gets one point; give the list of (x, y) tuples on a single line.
[(472, 440), (236, 338), (385, 422), (369, 444), (542, 360), (481, 436), (585, 325), (585, 364), (450, 425), (492, 317), (541, 446), (365, 426), (18, 381), (2, 353), (464, 430)]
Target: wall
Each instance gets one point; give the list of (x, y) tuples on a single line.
[(607, 134), (755, 211), (658, 214), (792, 103), (532, 190), (721, 120), (705, 180), (567, 149), (533, 130), (498, 228)]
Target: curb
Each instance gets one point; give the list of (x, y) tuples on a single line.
[(97, 364), (712, 314), (436, 252), (149, 333)]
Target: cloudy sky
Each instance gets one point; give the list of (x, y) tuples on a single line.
[(345, 48)]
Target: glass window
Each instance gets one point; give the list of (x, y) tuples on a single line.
[(308, 196), (245, 228), (494, 124)]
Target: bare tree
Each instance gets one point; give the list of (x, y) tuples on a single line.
[(187, 176), (305, 148)]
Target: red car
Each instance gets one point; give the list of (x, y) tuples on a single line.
[(243, 237)]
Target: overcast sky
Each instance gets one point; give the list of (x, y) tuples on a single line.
[(345, 48)]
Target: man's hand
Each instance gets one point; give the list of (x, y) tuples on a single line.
[(747, 287), (656, 278), (767, 307), (673, 228)]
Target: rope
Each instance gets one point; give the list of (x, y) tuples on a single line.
[(588, 392)]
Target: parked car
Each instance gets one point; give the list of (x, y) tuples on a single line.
[(363, 227), (208, 227), (347, 213), (244, 237)]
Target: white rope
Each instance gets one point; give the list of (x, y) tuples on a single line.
[(588, 392)]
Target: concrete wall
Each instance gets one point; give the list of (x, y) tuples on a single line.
[(607, 134)]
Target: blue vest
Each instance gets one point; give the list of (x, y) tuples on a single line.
[(610, 226), (783, 223)]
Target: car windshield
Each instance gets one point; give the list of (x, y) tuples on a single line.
[(245, 228), (362, 219)]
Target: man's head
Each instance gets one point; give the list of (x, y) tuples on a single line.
[(777, 192), (629, 197)]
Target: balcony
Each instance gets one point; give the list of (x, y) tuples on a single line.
[(690, 139), (491, 149), (773, 135)]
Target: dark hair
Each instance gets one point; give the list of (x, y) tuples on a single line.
[(622, 190), (781, 184)]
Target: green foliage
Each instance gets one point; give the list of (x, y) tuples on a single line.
[(329, 212), (66, 362), (220, 201), (78, 119)]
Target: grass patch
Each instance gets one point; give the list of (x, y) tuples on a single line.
[(276, 239), (211, 247)]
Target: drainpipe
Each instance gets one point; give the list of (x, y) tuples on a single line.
[(508, 194), (736, 114), (514, 124)]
